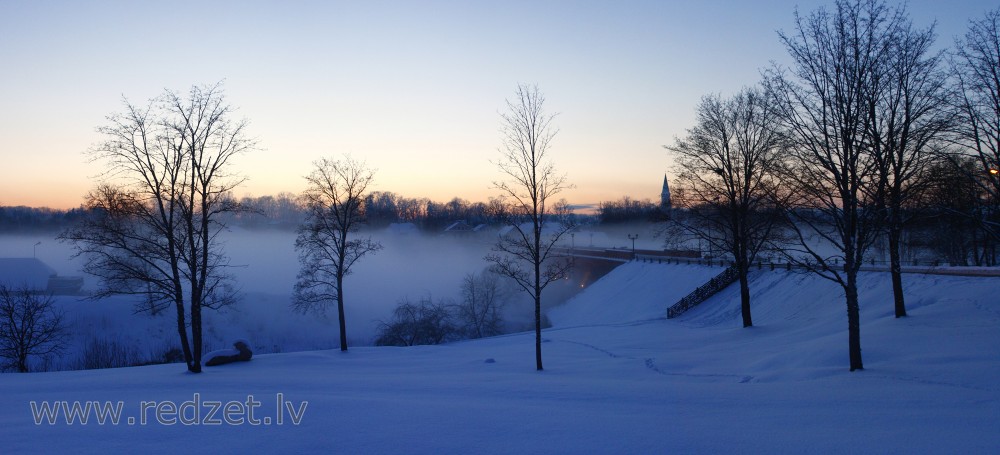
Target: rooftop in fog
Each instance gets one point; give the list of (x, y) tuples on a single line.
[(25, 272)]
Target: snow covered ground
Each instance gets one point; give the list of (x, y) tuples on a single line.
[(618, 379)]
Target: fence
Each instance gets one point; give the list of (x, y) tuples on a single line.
[(713, 286)]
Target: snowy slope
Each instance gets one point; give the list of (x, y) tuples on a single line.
[(633, 292), (621, 381)]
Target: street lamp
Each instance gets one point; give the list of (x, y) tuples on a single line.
[(34, 250), (632, 238)]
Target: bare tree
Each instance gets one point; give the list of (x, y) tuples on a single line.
[(836, 179), (727, 167), (479, 313), (153, 226), (905, 100), (326, 242), (975, 66), (525, 252), (30, 326)]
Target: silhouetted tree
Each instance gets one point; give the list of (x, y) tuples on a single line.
[(30, 325), (153, 227), (905, 100), (975, 66), (525, 252), (326, 242), (727, 167), (822, 101)]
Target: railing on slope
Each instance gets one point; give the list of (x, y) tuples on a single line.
[(720, 282)]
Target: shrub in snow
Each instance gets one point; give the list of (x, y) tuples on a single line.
[(106, 353), (425, 322)]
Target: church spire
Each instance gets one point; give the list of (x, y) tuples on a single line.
[(665, 204)]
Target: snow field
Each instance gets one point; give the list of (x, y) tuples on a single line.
[(618, 379)]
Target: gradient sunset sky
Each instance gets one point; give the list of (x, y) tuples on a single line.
[(414, 88)]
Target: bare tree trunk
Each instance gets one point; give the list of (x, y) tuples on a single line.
[(182, 333), (538, 330), (340, 313), (744, 293), (895, 267), (196, 337), (853, 319), (342, 261), (538, 302)]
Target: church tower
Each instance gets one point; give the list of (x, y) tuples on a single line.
[(665, 204)]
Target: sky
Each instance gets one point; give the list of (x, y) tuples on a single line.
[(413, 88)]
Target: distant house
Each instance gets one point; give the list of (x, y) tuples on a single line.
[(404, 229), (35, 275), (459, 227), (16, 273)]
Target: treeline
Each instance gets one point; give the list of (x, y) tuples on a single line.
[(379, 209), (382, 208), (34, 219), (628, 210)]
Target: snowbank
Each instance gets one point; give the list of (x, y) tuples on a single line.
[(632, 292)]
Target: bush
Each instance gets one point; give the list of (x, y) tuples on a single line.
[(104, 353), (425, 322)]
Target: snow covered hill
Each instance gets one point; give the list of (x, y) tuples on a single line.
[(619, 379)]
